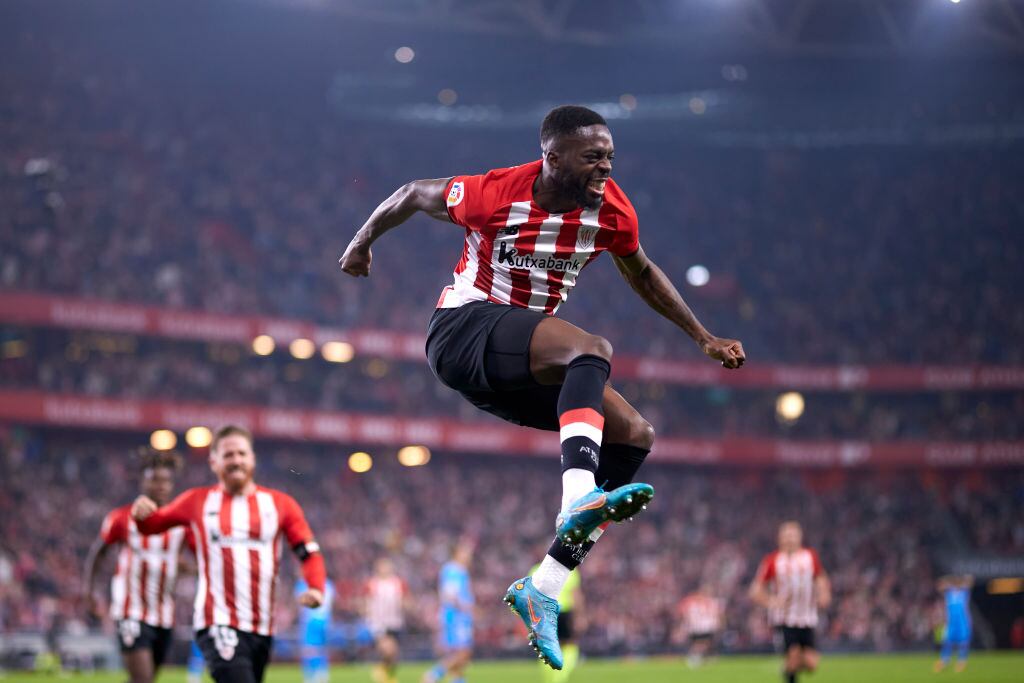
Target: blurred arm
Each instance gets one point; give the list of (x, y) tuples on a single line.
[(300, 538), (654, 287), (759, 593), (823, 590), (153, 520), (97, 552)]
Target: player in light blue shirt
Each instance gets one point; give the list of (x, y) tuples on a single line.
[(455, 595), (956, 591), (313, 626), (194, 668)]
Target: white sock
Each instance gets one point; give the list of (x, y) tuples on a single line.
[(576, 483), (550, 577)]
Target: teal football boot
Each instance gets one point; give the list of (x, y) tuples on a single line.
[(575, 524), (540, 614)]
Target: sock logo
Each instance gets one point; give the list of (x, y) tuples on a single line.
[(580, 554), (590, 452)]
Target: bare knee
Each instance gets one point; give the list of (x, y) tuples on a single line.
[(595, 345), (641, 433)]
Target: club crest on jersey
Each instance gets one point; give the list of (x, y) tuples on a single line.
[(586, 235), (456, 194)]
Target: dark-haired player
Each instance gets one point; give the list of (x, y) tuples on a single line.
[(238, 528), (529, 231), (142, 588)]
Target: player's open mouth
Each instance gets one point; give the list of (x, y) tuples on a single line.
[(597, 185)]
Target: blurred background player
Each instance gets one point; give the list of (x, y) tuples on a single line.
[(570, 623), (701, 617), (314, 625), (142, 588), (792, 585), (956, 593), (238, 526), (194, 666), (385, 607), (455, 614)]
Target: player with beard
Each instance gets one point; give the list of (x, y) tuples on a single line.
[(142, 588), (238, 527), (529, 231)]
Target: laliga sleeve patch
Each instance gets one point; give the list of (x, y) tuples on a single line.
[(456, 194)]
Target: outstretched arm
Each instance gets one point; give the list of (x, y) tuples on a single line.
[(152, 519), (654, 287), (419, 195)]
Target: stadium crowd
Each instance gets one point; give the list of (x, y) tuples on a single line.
[(118, 366), (116, 187), (876, 534)]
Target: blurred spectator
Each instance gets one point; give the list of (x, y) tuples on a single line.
[(117, 184), (876, 535)]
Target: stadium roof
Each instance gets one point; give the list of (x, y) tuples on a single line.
[(860, 28)]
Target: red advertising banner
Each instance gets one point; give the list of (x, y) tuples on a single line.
[(485, 437), (46, 310)]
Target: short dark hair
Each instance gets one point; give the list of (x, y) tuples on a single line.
[(229, 430), (567, 119), (150, 459)]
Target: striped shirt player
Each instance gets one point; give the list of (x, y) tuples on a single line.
[(385, 597), (701, 614), (143, 583), (791, 576), (239, 529), (142, 588), (792, 584), (528, 233), (518, 254), (238, 548)]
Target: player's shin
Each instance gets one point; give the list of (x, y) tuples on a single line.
[(581, 421)]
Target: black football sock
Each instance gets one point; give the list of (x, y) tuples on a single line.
[(619, 465), (581, 412)]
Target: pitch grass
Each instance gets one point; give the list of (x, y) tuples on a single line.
[(983, 668)]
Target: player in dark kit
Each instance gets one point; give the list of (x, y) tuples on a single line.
[(529, 231)]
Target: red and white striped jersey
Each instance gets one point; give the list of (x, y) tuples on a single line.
[(238, 548), (518, 254), (142, 588), (701, 613), (384, 597), (792, 576)]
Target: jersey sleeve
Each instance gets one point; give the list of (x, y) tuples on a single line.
[(467, 201), (179, 512), (115, 527), (627, 227), (300, 538), (816, 564), (766, 570)]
